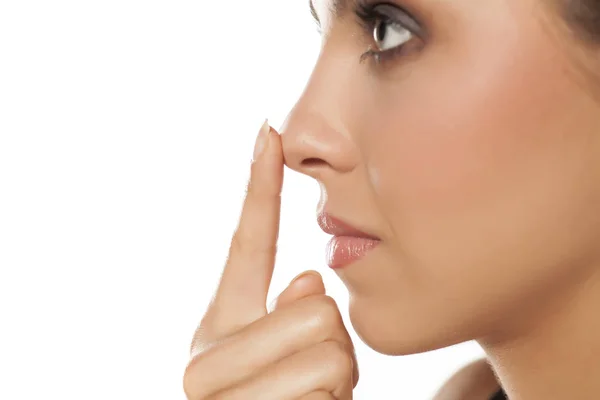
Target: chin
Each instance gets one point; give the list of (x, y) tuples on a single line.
[(391, 333)]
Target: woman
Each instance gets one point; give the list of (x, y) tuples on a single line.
[(457, 145)]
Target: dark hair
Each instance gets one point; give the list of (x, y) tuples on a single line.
[(583, 16)]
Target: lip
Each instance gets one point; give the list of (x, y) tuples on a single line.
[(348, 243), (336, 227)]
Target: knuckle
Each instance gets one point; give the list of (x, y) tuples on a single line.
[(194, 386), (327, 316), (196, 378), (329, 306), (339, 359)]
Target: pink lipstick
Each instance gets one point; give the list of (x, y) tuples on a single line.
[(348, 243)]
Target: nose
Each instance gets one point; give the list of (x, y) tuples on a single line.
[(316, 136)]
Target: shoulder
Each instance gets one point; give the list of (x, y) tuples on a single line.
[(474, 381)]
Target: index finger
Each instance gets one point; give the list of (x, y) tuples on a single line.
[(242, 292)]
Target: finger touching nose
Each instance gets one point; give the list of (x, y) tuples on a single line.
[(242, 292)]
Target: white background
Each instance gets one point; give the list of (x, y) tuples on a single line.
[(126, 132)]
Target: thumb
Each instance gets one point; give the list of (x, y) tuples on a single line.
[(308, 283)]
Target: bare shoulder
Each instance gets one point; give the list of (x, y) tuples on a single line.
[(474, 381)]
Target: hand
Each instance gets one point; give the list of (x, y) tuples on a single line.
[(299, 350)]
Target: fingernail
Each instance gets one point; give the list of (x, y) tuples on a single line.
[(303, 276), (261, 140)]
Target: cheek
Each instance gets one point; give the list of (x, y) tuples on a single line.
[(468, 141), (487, 179), (446, 135)]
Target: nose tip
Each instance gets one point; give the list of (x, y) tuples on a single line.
[(312, 146), (300, 144)]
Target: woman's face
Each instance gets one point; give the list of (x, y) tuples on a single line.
[(472, 150)]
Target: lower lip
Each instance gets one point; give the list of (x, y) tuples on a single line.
[(344, 250)]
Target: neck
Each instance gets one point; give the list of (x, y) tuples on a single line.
[(556, 355)]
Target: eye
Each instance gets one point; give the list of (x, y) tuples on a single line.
[(389, 34), (391, 29)]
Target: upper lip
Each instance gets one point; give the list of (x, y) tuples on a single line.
[(337, 227)]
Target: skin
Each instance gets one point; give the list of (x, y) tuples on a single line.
[(476, 159), (300, 348)]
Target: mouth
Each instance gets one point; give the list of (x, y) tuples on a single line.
[(336, 227), (348, 244)]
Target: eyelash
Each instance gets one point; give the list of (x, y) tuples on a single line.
[(369, 17)]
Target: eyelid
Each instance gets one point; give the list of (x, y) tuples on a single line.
[(370, 13), (391, 12), (396, 14)]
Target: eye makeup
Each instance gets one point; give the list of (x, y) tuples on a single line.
[(379, 20)]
